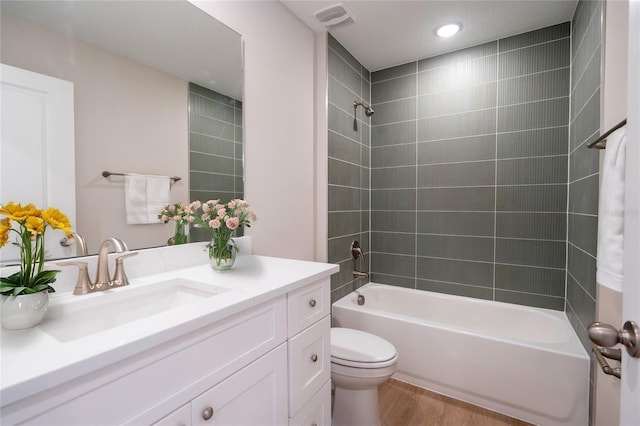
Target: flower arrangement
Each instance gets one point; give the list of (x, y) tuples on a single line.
[(223, 220), (177, 213), (174, 213), (32, 224)]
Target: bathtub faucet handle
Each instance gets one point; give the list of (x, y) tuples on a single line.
[(356, 250)]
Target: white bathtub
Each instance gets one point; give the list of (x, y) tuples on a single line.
[(524, 362)]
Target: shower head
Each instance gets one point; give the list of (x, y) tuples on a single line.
[(368, 111)]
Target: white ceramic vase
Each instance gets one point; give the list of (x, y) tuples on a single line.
[(24, 311)]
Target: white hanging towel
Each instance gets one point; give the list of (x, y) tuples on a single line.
[(611, 213), (144, 197), (157, 196)]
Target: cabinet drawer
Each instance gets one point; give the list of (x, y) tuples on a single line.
[(309, 363), (180, 417), (307, 305), (317, 411), (255, 395)]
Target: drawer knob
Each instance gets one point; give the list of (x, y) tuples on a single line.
[(312, 303), (207, 413), (314, 358)]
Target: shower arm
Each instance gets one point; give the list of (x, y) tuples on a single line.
[(367, 108)]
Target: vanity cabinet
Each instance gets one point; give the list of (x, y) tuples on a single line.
[(266, 365), (309, 351)]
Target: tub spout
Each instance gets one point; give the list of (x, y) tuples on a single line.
[(358, 274)]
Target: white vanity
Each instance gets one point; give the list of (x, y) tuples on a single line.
[(249, 346)]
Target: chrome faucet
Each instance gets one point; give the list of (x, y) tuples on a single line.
[(103, 278)]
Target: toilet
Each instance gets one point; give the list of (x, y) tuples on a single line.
[(360, 361)]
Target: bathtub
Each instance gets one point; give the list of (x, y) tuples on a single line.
[(523, 362)]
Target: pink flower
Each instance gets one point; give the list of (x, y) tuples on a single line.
[(165, 219), (206, 208), (232, 223), (205, 217), (221, 212), (172, 207), (190, 219), (215, 223)]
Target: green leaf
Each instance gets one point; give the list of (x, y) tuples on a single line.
[(44, 277), (18, 290), (13, 279), (40, 287)]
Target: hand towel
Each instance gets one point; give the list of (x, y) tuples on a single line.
[(135, 197), (145, 196), (157, 196), (611, 213)]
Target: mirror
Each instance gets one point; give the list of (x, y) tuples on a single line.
[(157, 90)]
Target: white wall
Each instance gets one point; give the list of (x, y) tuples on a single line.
[(279, 130), (128, 118)]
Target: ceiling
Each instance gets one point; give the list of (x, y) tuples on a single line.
[(393, 32)]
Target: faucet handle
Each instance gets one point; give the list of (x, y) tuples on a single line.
[(119, 276), (83, 283)]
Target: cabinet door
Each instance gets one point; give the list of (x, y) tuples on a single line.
[(309, 363), (317, 411), (255, 395), (180, 417)]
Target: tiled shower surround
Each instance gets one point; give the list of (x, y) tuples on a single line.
[(471, 160), (349, 153), (469, 170), (584, 167), (215, 149)]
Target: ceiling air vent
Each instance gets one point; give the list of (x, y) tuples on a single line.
[(335, 15)]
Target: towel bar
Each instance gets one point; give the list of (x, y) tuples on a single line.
[(107, 174)]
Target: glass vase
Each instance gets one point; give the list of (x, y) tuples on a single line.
[(180, 235), (222, 253)]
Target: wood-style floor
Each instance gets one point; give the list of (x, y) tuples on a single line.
[(402, 404)]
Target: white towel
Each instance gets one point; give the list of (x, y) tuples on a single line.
[(611, 213), (144, 197), (157, 196)]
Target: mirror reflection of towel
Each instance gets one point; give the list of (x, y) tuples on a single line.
[(145, 196)]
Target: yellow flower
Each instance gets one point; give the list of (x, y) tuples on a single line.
[(35, 225), (5, 226), (19, 213), (57, 220)]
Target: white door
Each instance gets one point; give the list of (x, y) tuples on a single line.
[(630, 385), (37, 160)]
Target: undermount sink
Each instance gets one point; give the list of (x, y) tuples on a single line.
[(82, 316)]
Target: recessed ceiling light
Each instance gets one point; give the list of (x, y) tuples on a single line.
[(448, 30)]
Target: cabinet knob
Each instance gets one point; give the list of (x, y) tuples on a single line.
[(314, 424), (312, 303), (314, 357), (207, 413)]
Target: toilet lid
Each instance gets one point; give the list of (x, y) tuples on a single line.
[(349, 346)]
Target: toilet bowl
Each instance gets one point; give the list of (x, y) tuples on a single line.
[(360, 361)]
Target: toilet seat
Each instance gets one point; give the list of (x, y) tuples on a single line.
[(359, 349)]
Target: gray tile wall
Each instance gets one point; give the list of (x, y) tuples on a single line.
[(349, 154), (215, 149), (469, 170), (584, 164), (583, 170)]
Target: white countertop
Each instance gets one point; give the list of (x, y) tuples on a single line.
[(32, 360)]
